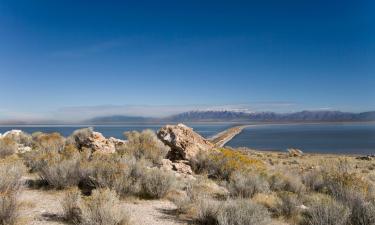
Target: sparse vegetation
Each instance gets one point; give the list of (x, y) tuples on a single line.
[(230, 187), (101, 208), (7, 147), (145, 145), (328, 212), (11, 171), (222, 163), (156, 183), (247, 184), (232, 212)]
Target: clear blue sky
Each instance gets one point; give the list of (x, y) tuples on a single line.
[(274, 55)]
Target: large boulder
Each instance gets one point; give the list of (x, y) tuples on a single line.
[(98, 143), (86, 138), (185, 143)]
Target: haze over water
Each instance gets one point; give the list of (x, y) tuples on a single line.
[(351, 138)]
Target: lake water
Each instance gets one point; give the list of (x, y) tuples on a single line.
[(116, 131), (353, 138), (356, 138)]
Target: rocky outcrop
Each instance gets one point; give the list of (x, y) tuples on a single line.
[(185, 143), (117, 142), (97, 143), (295, 152)]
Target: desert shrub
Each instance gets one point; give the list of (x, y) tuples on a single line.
[(286, 182), (114, 172), (144, 144), (59, 170), (8, 208), (231, 212), (102, 208), (11, 172), (270, 200), (49, 142), (156, 183), (222, 163), (240, 211), (72, 206), (79, 137), (20, 137), (288, 205), (207, 212), (313, 180), (328, 212), (7, 147), (194, 191), (245, 184), (362, 212), (201, 163)]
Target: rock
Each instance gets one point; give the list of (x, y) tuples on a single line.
[(166, 164), (179, 166), (367, 157), (117, 142), (23, 149), (97, 142), (185, 144), (182, 166), (294, 152), (302, 207)]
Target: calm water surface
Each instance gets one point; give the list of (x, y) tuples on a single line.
[(356, 138), (116, 131)]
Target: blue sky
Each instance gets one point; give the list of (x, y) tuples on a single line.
[(71, 59)]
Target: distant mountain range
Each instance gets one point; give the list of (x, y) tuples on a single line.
[(230, 116)]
